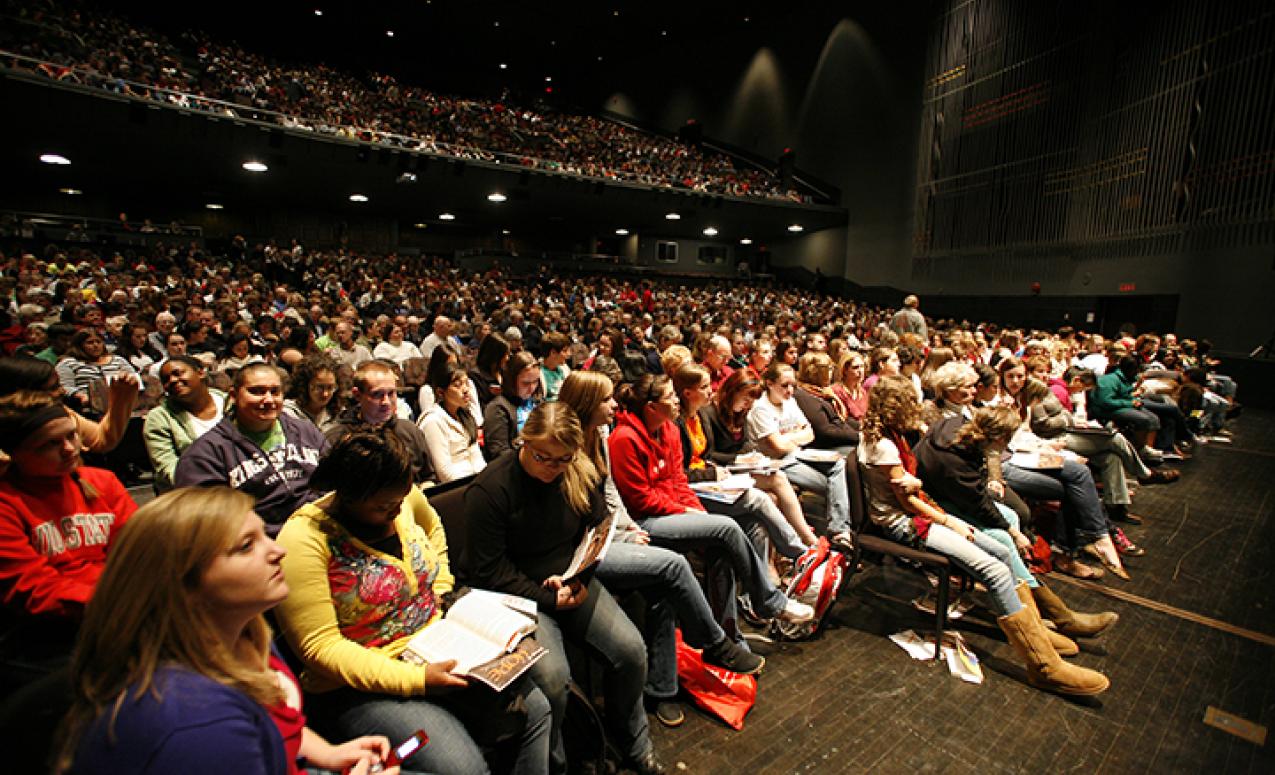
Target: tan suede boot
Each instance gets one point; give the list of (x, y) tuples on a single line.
[(1077, 625), (1045, 669), (1066, 647)]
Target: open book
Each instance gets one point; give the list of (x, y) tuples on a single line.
[(593, 547), (486, 633), (726, 490)]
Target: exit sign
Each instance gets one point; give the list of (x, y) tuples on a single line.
[(1128, 287)]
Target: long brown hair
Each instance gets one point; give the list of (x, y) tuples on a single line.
[(584, 391), (736, 384), (146, 611), (892, 406)]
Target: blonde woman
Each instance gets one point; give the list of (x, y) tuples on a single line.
[(174, 671)]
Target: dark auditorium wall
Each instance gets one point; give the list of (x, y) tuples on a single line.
[(981, 146)]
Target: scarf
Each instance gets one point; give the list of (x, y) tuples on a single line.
[(827, 395)]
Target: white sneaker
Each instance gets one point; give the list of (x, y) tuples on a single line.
[(1152, 455), (796, 612)]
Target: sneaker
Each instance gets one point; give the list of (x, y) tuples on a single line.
[(1174, 455), (1219, 439), (731, 656), (668, 712), (1124, 545), (795, 612)]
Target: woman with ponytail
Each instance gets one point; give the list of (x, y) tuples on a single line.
[(57, 519)]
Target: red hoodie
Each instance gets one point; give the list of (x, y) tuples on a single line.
[(53, 542), (648, 470)]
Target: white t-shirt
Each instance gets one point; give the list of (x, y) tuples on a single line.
[(766, 419), (200, 427), (883, 507)]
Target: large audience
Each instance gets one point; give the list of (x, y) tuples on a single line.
[(294, 410), (75, 44)]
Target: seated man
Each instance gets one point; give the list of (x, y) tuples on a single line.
[(375, 407)]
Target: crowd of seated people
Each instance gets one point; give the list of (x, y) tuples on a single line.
[(77, 44), (970, 441)]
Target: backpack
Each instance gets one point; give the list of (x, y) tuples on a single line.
[(817, 578)]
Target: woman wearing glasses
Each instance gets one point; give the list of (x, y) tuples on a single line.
[(525, 514)]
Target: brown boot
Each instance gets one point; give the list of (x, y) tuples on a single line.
[(1069, 622), (1045, 669), (1066, 647)]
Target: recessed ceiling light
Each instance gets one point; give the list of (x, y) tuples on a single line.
[(622, 232), (548, 79), (504, 66), (663, 33), (389, 33), (710, 232), (421, 225), (70, 191), (745, 241), (672, 217), (358, 197), (255, 166), (599, 59), (496, 196), (214, 206), (53, 158), (504, 231), (796, 227), (446, 217), (318, 11)]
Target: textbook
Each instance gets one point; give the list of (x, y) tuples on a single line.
[(486, 633)]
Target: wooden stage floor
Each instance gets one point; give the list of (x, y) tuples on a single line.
[(1196, 630)]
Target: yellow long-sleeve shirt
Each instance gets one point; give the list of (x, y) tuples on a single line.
[(351, 609)]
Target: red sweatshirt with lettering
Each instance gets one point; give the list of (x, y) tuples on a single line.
[(53, 541)]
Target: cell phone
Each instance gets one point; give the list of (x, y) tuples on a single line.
[(403, 751)]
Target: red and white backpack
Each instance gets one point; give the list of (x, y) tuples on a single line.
[(817, 578)]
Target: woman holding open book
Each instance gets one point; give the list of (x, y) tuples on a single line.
[(526, 513), (664, 577), (368, 568)]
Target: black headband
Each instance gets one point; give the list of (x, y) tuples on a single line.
[(34, 422)]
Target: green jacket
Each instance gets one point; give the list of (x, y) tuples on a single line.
[(168, 432), (1112, 394)]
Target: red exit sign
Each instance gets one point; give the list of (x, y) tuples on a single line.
[(1128, 287)]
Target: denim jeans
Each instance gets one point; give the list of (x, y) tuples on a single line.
[(346, 713), (732, 560), (603, 630), (673, 594), (1085, 521), (829, 480), (1172, 422), (1015, 561), (755, 507), (984, 558)]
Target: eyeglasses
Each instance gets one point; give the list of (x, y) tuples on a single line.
[(549, 460)]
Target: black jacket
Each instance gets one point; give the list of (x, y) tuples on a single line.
[(351, 421), (956, 476), (830, 430)]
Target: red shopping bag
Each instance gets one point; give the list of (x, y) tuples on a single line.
[(728, 696)]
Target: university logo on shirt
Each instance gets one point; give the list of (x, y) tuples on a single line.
[(69, 533)]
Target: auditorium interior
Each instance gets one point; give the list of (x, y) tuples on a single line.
[(1034, 176)]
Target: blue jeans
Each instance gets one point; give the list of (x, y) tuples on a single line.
[(731, 559), (984, 558), (1172, 422), (673, 594), (755, 507), (346, 713), (603, 630), (829, 480), (1015, 561), (1085, 521)]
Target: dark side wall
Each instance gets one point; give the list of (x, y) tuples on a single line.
[(983, 146)]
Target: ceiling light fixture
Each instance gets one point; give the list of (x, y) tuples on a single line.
[(389, 33), (70, 191), (496, 197), (318, 11), (421, 225), (504, 231), (795, 228), (214, 206), (504, 66), (710, 232), (745, 241), (548, 79), (53, 158), (358, 197), (446, 217), (622, 232), (672, 217), (255, 166)]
